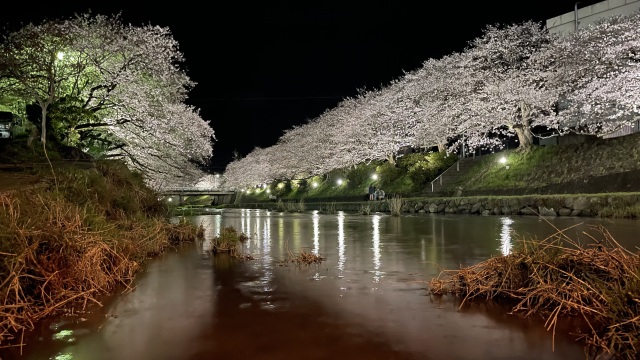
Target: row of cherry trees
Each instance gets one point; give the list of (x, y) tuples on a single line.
[(114, 90), (511, 81)]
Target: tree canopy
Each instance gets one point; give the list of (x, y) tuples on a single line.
[(515, 80), (113, 90)]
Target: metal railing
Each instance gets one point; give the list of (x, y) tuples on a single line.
[(191, 188), (439, 178)]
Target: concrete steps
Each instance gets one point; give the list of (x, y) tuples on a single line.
[(444, 184)]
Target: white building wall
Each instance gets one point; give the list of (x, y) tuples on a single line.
[(590, 14)]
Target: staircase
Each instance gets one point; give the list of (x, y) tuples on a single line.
[(444, 184)]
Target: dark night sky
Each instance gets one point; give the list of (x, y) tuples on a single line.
[(263, 68)]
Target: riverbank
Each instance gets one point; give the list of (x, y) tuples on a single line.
[(594, 178), (615, 205), (74, 236), (561, 278)]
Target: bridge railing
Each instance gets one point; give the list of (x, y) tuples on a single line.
[(190, 188)]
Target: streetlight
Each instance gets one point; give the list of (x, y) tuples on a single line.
[(339, 181), (374, 176), (503, 160)]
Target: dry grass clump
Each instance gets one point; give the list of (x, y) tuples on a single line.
[(305, 258), (396, 203), (557, 277), (229, 241), (364, 209), (329, 209), (56, 253)]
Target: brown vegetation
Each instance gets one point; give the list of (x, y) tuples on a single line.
[(230, 242), (67, 245), (560, 278), (305, 258)]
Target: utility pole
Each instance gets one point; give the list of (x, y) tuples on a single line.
[(575, 12)]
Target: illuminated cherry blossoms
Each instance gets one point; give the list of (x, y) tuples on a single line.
[(114, 90), (516, 80)]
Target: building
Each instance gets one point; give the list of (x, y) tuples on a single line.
[(581, 18)]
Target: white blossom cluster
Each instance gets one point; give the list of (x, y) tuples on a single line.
[(129, 84), (516, 80)]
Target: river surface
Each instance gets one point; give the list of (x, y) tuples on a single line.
[(367, 300)]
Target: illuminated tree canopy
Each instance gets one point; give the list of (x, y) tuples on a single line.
[(510, 81), (114, 90)]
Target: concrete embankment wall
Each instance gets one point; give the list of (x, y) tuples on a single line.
[(544, 205)]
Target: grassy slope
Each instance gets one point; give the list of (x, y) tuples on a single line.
[(555, 164)]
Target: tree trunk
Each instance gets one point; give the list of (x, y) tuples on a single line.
[(392, 159), (525, 137), (523, 130), (442, 147), (43, 130)]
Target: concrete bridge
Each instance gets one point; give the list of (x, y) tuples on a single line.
[(181, 195)]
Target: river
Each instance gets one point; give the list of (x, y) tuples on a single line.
[(368, 299)]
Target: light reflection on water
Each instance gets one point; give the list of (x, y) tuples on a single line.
[(376, 248), (316, 232), (369, 293), (505, 235), (341, 243)]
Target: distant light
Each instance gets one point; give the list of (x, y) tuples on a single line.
[(374, 176), (264, 186), (169, 199), (339, 181), (217, 175), (315, 184), (268, 191), (60, 55), (503, 160), (248, 191)]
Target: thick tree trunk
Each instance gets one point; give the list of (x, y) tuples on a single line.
[(523, 130), (392, 159), (525, 137), (442, 147)]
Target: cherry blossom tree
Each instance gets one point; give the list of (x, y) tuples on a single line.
[(512, 92), (128, 90), (600, 65), (440, 92), (32, 68)]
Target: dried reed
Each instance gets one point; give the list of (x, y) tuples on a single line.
[(364, 209), (56, 253), (559, 278), (396, 203), (305, 258), (229, 241)]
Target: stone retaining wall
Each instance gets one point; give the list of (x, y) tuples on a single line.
[(543, 205)]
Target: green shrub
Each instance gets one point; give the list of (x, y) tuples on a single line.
[(388, 174), (360, 175)]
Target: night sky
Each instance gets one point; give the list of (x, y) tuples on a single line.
[(263, 68)]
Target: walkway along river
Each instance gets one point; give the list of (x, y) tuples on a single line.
[(367, 300)]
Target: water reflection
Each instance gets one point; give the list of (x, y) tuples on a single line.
[(316, 232), (377, 274), (366, 300), (341, 245), (505, 235)]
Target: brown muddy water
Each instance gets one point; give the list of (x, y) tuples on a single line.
[(367, 300)]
